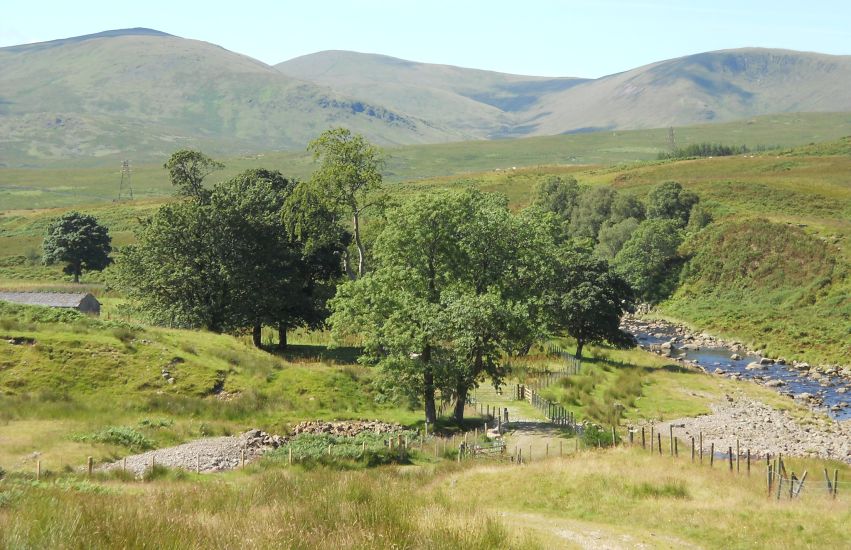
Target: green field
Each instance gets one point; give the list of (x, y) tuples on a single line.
[(87, 376), (81, 183), (772, 270)]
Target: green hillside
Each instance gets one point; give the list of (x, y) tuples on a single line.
[(87, 182), (140, 95), (481, 104), (719, 86), (773, 270), (714, 86)]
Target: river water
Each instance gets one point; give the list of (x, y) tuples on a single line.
[(832, 394)]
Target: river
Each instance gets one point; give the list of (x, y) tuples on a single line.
[(829, 392)]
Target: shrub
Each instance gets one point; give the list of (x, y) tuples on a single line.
[(367, 449), (119, 435), (668, 489), (594, 436), (123, 334)]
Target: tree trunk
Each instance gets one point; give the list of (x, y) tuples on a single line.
[(358, 243), (579, 345), (460, 403), (428, 387), (255, 335), (347, 266), (77, 271), (282, 336)]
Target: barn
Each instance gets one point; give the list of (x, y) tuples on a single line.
[(81, 301)]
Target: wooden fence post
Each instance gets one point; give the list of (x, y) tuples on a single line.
[(652, 439), (791, 485), (671, 442), (768, 475), (835, 482), (711, 454), (659, 441), (643, 443), (614, 437), (692, 448), (89, 465), (37, 470), (738, 454), (730, 456), (749, 462)]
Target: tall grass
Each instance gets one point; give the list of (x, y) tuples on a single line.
[(275, 509)]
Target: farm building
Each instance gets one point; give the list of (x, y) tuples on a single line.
[(81, 301)]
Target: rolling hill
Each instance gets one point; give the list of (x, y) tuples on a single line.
[(715, 86), (482, 104), (141, 94)]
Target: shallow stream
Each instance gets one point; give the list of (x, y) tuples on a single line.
[(832, 394)]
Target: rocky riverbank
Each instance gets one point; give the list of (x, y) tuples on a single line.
[(215, 454), (823, 387), (764, 430)]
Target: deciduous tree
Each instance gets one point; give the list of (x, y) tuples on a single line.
[(79, 241), (349, 178), (187, 170)]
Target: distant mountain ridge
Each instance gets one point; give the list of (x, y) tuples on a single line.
[(715, 86), (141, 93)]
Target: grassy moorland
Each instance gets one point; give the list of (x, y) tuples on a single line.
[(772, 271), (622, 497), (83, 377), (73, 183)]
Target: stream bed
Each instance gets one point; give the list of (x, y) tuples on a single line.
[(827, 389)]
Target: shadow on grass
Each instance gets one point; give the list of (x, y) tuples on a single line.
[(302, 352)]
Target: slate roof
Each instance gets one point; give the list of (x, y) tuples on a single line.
[(51, 299)]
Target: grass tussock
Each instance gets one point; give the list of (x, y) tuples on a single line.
[(276, 509)]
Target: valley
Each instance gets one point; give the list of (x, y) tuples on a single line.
[(406, 305)]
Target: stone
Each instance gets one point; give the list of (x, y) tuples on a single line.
[(736, 357), (755, 366), (775, 383), (766, 361)]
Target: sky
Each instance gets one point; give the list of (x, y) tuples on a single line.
[(583, 38)]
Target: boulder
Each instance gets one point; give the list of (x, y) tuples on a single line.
[(755, 366), (736, 357), (766, 361)]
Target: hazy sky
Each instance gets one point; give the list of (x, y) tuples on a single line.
[(554, 38)]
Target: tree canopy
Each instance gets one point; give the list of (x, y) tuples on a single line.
[(649, 261), (230, 263), (586, 299), (443, 303), (669, 201), (79, 241), (348, 178), (187, 170)]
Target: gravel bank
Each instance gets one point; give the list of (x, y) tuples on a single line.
[(763, 430), (214, 454), (211, 454)]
